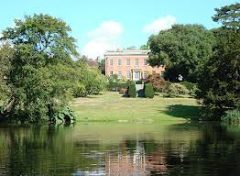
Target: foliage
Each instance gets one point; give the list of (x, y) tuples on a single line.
[(229, 16), (115, 84), (157, 82), (176, 90), (219, 84), (94, 81), (66, 115), (132, 90), (144, 47), (79, 90), (41, 72), (183, 49), (192, 87), (232, 117), (148, 91), (5, 55), (101, 66), (90, 77), (47, 35)]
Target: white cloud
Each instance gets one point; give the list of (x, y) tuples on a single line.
[(160, 24), (105, 37)]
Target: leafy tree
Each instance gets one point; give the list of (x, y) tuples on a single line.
[(94, 82), (41, 71), (220, 80), (5, 55), (183, 49), (229, 16), (144, 47), (101, 66)]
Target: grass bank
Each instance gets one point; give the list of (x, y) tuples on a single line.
[(111, 106)]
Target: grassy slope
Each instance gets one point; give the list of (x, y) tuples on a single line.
[(112, 107)]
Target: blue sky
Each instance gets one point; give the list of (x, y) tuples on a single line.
[(100, 25)]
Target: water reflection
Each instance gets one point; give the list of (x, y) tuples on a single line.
[(120, 149)]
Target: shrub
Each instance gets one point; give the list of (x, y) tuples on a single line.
[(232, 117), (192, 87), (158, 83), (94, 81), (65, 115), (132, 90), (176, 90), (122, 85), (115, 84), (148, 91), (79, 91)]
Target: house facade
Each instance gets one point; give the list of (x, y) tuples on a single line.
[(129, 64)]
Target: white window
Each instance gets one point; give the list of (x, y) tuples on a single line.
[(137, 75), (119, 61), (119, 75), (145, 62), (128, 61), (111, 61), (128, 74), (136, 61)]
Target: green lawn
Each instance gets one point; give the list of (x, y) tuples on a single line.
[(111, 106)]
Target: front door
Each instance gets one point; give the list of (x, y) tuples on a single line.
[(136, 75)]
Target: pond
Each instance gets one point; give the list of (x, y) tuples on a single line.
[(200, 149)]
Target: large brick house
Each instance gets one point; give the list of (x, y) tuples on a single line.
[(129, 64)]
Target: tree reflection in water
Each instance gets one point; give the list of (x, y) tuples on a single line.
[(120, 149)]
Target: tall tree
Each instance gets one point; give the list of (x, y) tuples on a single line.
[(6, 53), (182, 49), (39, 78), (220, 81), (229, 16)]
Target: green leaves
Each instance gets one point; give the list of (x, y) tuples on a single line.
[(182, 49), (40, 76), (229, 16), (219, 83), (44, 34), (5, 56)]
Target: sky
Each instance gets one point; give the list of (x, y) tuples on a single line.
[(100, 25)]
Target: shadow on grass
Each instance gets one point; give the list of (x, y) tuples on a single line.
[(184, 111)]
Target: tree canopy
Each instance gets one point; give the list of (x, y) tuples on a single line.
[(183, 50), (229, 16), (219, 83), (5, 55), (46, 34), (41, 74)]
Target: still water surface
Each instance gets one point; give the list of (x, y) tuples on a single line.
[(120, 149)]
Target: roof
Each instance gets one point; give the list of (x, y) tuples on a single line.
[(126, 52)]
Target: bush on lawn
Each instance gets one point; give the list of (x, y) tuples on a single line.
[(176, 90), (79, 91), (148, 91), (114, 84), (158, 82), (192, 87), (132, 90)]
